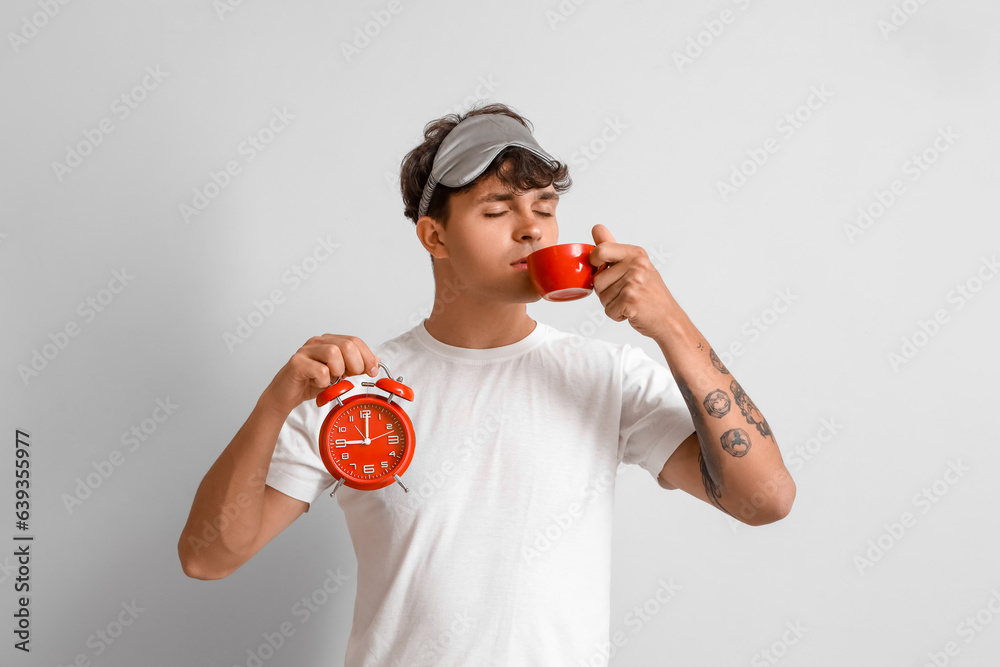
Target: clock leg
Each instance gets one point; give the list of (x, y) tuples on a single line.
[(401, 483), (336, 486)]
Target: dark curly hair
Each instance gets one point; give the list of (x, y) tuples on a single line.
[(517, 168)]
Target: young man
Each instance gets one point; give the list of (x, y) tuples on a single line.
[(500, 552)]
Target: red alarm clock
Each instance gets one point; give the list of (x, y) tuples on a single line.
[(366, 442)]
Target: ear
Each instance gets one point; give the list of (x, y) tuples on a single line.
[(432, 236)]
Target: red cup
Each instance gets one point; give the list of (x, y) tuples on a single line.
[(562, 272)]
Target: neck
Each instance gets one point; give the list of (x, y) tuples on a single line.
[(464, 319)]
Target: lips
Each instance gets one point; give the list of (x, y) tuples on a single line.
[(524, 260)]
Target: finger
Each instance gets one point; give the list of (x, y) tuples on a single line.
[(607, 275), (370, 359), (606, 250), (309, 370), (616, 308), (332, 358), (602, 235), (353, 350), (611, 290), (319, 374)]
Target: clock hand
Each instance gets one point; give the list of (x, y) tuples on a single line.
[(366, 428), (379, 436), (359, 431)]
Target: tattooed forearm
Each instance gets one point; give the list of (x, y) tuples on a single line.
[(690, 400), (714, 403), (749, 410), (728, 425), (717, 404), (736, 442), (711, 488), (717, 362)]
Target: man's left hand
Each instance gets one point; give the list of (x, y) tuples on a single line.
[(630, 288)]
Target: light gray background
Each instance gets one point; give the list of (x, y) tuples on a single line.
[(333, 173)]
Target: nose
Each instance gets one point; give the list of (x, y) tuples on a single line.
[(528, 227)]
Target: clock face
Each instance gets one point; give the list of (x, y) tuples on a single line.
[(366, 442)]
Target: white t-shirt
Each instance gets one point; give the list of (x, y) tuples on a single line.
[(500, 554)]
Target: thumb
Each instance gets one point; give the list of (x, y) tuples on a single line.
[(602, 235)]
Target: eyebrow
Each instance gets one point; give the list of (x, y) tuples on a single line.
[(507, 196)]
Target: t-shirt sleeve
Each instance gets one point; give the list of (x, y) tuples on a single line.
[(654, 418), (296, 467)]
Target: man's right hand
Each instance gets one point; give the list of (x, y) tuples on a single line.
[(316, 364), (215, 541)]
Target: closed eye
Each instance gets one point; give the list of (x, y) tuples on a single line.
[(497, 215)]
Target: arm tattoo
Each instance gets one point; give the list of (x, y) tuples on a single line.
[(717, 362), (736, 442), (717, 403), (749, 410), (689, 399), (711, 488)]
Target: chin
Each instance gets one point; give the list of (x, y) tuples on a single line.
[(527, 296)]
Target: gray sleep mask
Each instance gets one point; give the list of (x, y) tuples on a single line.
[(471, 146)]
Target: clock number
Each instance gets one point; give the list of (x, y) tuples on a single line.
[(344, 456), (341, 442), (366, 414), (393, 439), (369, 469), (385, 464), (341, 428), (389, 426)]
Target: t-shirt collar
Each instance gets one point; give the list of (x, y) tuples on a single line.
[(479, 355)]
